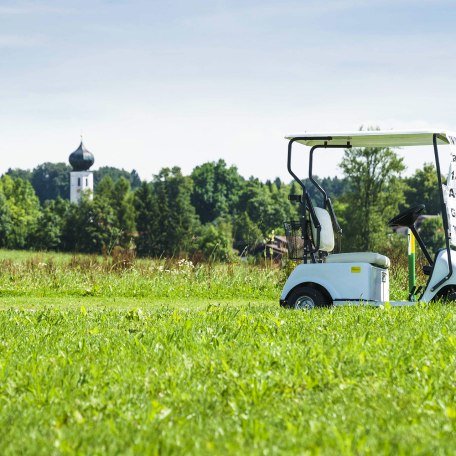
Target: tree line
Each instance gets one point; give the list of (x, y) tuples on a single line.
[(214, 212)]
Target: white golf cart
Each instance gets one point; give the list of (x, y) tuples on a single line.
[(325, 278)]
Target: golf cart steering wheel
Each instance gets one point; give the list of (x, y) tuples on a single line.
[(408, 217)]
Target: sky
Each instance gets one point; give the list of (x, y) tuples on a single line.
[(178, 83)]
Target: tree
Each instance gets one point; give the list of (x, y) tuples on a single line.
[(47, 234), (266, 205), (24, 174), (374, 195), (105, 188), (279, 209), (334, 186), (120, 197), (51, 180), (216, 190), (168, 210), (6, 222), (278, 182), (135, 180), (90, 227), (20, 212), (146, 224), (423, 188), (115, 174), (123, 206)]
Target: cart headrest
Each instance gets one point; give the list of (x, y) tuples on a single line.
[(326, 233)]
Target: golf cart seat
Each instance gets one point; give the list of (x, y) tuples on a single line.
[(327, 245), (376, 259)]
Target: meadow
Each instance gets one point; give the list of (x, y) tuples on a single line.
[(123, 356)]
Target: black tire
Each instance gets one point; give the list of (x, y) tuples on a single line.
[(307, 298), (447, 295)]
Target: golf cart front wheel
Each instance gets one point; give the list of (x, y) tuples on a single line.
[(307, 298)]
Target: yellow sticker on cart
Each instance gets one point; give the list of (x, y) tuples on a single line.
[(355, 269)]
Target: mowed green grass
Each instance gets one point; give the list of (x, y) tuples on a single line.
[(192, 373)]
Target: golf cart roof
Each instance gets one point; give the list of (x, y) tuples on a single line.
[(374, 138)]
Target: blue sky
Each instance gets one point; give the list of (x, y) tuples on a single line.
[(163, 83)]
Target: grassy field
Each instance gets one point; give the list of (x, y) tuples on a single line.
[(169, 358)]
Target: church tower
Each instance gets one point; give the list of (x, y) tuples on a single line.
[(81, 179)]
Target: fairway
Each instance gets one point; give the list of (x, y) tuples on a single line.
[(171, 358), (96, 376)]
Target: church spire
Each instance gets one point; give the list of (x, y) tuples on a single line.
[(81, 159)]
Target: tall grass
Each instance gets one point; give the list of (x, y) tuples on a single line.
[(47, 276), (51, 275)]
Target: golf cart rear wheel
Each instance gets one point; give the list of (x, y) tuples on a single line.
[(447, 294), (307, 298)]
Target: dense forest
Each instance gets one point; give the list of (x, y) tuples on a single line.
[(214, 212)]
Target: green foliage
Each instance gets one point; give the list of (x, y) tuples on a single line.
[(171, 218), (215, 241), (374, 196), (216, 190), (24, 174), (51, 181), (165, 216), (90, 227), (176, 221), (119, 196), (335, 187), (115, 174), (19, 210), (145, 208), (122, 204), (432, 233), (266, 206), (47, 233), (254, 200), (6, 222), (105, 188)]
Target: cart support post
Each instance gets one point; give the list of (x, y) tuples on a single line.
[(411, 264), (444, 215)]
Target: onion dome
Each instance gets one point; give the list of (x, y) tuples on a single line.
[(81, 159)]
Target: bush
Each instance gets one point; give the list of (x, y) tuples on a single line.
[(215, 243)]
